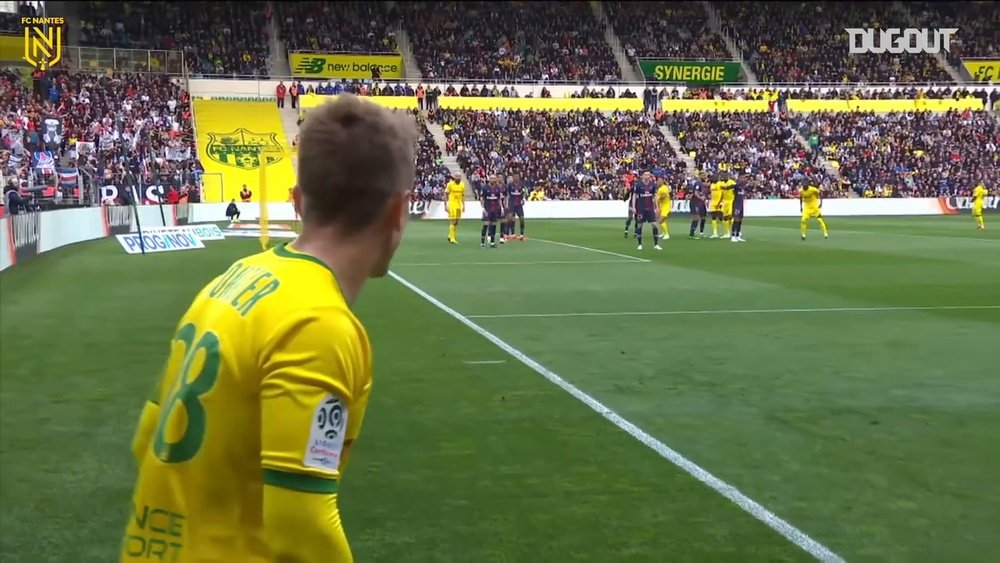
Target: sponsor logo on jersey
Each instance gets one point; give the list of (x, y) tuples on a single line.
[(327, 432)]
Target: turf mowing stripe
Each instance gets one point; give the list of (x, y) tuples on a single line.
[(735, 312), (788, 531), (538, 263), (484, 362), (589, 249), (883, 233)]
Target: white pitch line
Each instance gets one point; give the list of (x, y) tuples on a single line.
[(733, 312), (587, 248), (750, 506), (528, 263), (486, 362)]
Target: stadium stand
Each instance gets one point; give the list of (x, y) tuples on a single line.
[(216, 38), (573, 155), (509, 41), (110, 125), (665, 30), (342, 27), (431, 171), (919, 154), (760, 143), (805, 42), (978, 25)]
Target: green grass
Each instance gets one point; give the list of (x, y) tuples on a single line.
[(873, 431)]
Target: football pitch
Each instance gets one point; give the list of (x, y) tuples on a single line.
[(569, 398)]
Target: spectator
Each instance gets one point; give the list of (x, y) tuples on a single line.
[(806, 43), (978, 25), (915, 154), (509, 41), (571, 155), (217, 38), (343, 27), (758, 143), (665, 30)]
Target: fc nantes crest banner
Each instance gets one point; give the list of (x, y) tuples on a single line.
[(691, 72), (243, 148), (983, 70), (324, 65)]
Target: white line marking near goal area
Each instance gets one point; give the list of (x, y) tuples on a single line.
[(524, 263), (734, 312), (788, 531), (486, 362), (588, 249)]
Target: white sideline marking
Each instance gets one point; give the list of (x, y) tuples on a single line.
[(788, 531), (587, 248), (485, 362), (733, 312), (528, 263)]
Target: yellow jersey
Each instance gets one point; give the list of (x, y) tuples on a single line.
[(663, 196), (716, 192), (810, 197), (455, 191), (979, 194), (728, 195), (266, 385)]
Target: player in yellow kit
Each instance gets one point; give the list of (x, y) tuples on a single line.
[(455, 191), (663, 202), (979, 194), (242, 445), (715, 204), (728, 196), (811, 204)]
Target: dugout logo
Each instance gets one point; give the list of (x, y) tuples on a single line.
[(951, 205), (243, 148), (24, 235), (118, 219)]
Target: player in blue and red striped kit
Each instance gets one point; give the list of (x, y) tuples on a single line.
[(515, 206), (645, 208), (492, 200)]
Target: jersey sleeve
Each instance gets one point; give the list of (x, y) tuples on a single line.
[(314, 392)]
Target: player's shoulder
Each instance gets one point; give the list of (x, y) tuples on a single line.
[(300, 282)]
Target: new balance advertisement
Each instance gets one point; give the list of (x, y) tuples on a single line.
[(24, 235), (953, 205), (117, 219)]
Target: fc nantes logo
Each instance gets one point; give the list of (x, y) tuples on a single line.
[(242, 148), (42, 41)]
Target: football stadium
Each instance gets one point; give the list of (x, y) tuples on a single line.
[(672, 281)]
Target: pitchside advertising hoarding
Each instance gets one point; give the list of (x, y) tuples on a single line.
[(170, 239), (330, 65), (690, 72), (953, 205)]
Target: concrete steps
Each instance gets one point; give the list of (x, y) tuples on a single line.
[(675, 143), (289, 122), (628, 70), (450, 162), (715, 24)]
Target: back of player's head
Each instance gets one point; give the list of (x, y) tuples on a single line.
[(355, 157)]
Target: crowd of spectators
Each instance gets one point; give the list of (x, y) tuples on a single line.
[(216, 38), (918, 154), (509, 40), (665, 30), (978, 25), (759, 144), (115, 127), (432, 174), (358, 27), (806, 42), (570, 155)]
